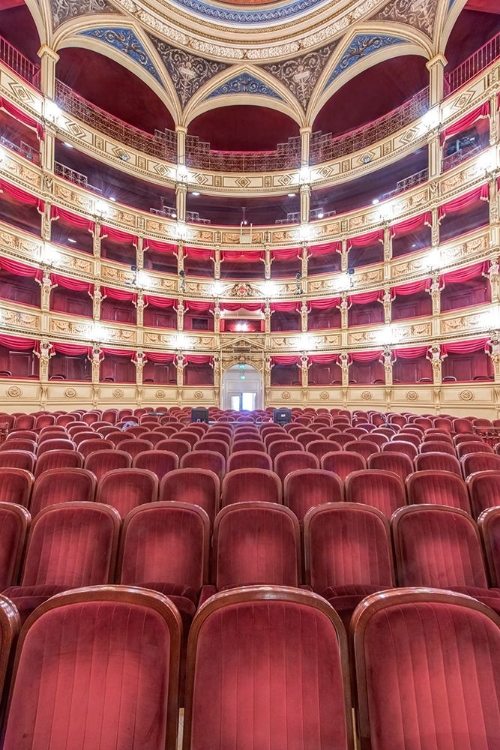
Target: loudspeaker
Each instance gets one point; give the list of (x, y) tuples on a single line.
[(282, 416), (200, 414)]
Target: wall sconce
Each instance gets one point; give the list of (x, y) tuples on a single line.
[(180, 342)]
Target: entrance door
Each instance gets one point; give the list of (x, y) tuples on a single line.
[(242, 388)]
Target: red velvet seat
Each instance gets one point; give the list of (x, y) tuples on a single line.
[(341, 439), (87, 447), (459, 439), (489, 528), (215, 446), (305, 489), (343, 463), (65, 485), (125, 489), (25, 422), (348, 554), (438, 488), (462, 425), (135, 446), (249, 460), (175, 445), (56, 445), (167, 430), (14, 526), (195, 486), (484, 490), (428, 671), (374, 438), (437, 436), (304, 438), (364, 448), (118, 437), (423, 422), (409, 437), (21, 435), (44, 420), (100, 462), (248, 444), (87, 677), (473, 462), (398, 463), (210, 460), (58, 459), (158, 461), (400, 446), (246, 485), (190, 437), (19, 444), (224, 437), (15, 486), (465, 449), (379, 489), (441, 423), (17, 460), (80, 437), (283, 446), (437, 446), (437, 462), (70, 545), (274, 663), (289, 461), (320, 448)]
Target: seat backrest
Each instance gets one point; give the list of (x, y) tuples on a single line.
[(400, 446), (489, 528), (374, 438), (320, 448), (249, 460), (432, 657), (125, 489), (62, 486), (102, 683), (484, 490), (465, 449), (379, 489), (103, 461), (365, 448), (210, 460), (304, 489), (179, 446), (286, 462), (437, 546), (347, 544), (437, 461), (282, 446), (462, 425), (190, 437), (437, 488), (14, 526), (56, 444), (244, 485), (134, 446), (158, 461), (73, 545), (19, 444), (60, 459), (296, 646), (398, 463), (343, 463), (216, 446), (165, 542), (87, 447), (248, 444), (256, 542), (16, 486), (473, 462), (195, 486), (17, 460), (437, 446)]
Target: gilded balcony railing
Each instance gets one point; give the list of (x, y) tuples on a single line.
[(474, 64), (13, 59)]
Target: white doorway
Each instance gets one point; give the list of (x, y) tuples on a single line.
[(242, 388)]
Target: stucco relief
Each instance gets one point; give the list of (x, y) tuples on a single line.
[(421, 14), (64, 9), (301, 74)]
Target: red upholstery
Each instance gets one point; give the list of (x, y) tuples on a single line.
[(56, 444), (365, 448), (374, 438), (120, 437), (304, 438), (305, 489), (428, 671), (24, 422), (479, 462), (14, 526), (464, 449), (272, 437), (209, 460), (79, 437), (245, 485), (320, 448), (438, 488), (103, 461), (341, 439), (249, 460), (58, 459), (158, 461), (20, 434), (440, 437), (398, 463), (400, 446), (216, 446), (19, 444), (343, 463), (175, 445), (256, 542), (252, 652), (135, 446), (125, 489), (437, 546), (484, 490), (462, 425), (286, 462), (15, 486), (190, 437), (489, 527), (62, 486), (91, 446), (282, 446), (195, 486), (97, 669), (168, 431), (459, 439), (44, 420), (17, 460), (248, 445), (136, 431), (379, 489), (224, 437), (441, 423), (437, 446), (437, 462)]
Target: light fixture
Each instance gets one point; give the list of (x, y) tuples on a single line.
[(433, 259), (182, 173), (431, 119), (269, 289), (101, 208), (304, 342), (487, 161), (50, 256), (180, 342), (217, 289), (112, 198), (320, 215), (305, 175), (375, 201), (52, 111), (386, 212), (181, 229), (68, 145), (291, 195), (70, 239), (305, 232), (97, 332), (241, 327), (195, 194), (344, 282), (142, 279), (388, 335), (490, 318)]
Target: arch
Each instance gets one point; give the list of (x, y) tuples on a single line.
[(448, 24), (233, 386), (42, 18)]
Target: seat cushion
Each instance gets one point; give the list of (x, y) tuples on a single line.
[(28, 598)]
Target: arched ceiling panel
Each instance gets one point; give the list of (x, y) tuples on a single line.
[(472, 29), (18, 27), (243, 128)]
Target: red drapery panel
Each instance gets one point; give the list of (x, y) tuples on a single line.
[(412, 352), (285, 360), (412, 288), (365, 298), (158, 301), (464, 274), (330, 247), (410, 225), (465, 347), (18, 114), (323, 359), (117, 235), (366, 239), (18, 344), (233, 306), (119, 294), (159, 247), (77, 221), (286, 253), (285, 306), (199, 253), (21, 196), (366, 356), (198, 359), (160, 357), (466, 122), (20, 269), (464, 201), (118, 352), (199, 306), (324, 304), (76, 285), (241, 256), (72, 350)]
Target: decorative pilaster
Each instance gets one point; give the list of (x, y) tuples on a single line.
[(267, 317), (97, 299), (387, 245), (139, 254), (344, 366), (305, 144), (140, 304), (180, 363), (267, 263), (216, 366), (180, 315), (46, 223), (304, 312), (436, 360), (494, 354), (44, 356), (96, 358), (268, 366), (180, 200), (180, 257), (494, 120), (217, 262), (48, 60), (305, 203), (494, 277), (386, 301), (344, 311), (344, 257), (436, 67), (217, 314), (435, 292), (435, 227), (435, 153), (304, 370), (139, 362), (494, 217), (388, 361), (181, 131), (46, 286), (304, 258), (96, 240)]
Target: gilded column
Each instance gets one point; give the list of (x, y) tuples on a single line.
[(494, 277), (180, 363), (305, 203), (139, 362), (140, 304), (304, 313), (180, 315), (387, 303), (44, 356), (217, 262), (344, 310), (97, 299), (305, 145), (304, 370), (387, 361), (344, 366), (268, 366), (180, 257), (267, 317), (435, 292), (46, 286), (180, 200), (436, 360), (494, 120), (436, 67), (494, 353), (96, 356), (217, 313), (267, 263), (48, 60), (344, 257), (139, 254), (304, 258), (494, 218), (435, 228)]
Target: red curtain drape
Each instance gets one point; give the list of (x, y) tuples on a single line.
[(20, 269), (159, 247), (365, 298), (323, 359), (117, 235), (118, 352), (21, 196), (324, 304), (242, 256), (196, 306), (412, 288), (466, 122), (286, 253), (160, 357), (233, 306), (366, 356), (76, 285), (412, 352), (119, 294), (18, 114), (285, 360), (77, 221), (464, 201), (198, 359), (465, 347), (72, 350), (199, 253), (363, 240), (285, 306), (330, 247), (18, 344), (158, 301), (465, 274), (410, 225)]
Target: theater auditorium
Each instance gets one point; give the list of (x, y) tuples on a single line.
[(250, 375)]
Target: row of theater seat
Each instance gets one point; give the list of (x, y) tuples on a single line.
[(267, 667)]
